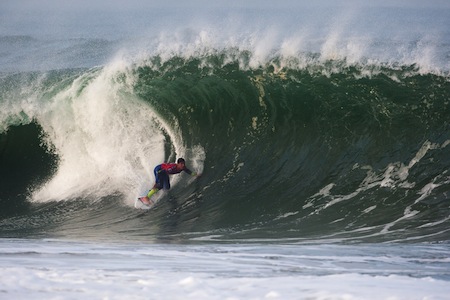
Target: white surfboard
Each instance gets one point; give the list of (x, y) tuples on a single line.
[(140, 203)]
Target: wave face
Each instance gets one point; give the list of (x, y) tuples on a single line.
[(302, 143)]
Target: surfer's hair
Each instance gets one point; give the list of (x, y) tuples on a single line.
[(181, 160)]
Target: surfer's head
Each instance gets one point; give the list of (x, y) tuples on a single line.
[(181, 163)]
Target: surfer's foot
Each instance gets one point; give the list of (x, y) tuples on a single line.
[(145, 200)]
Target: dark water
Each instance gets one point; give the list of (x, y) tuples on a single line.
[(322, 152)]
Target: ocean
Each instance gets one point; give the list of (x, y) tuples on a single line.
[(321, 131)]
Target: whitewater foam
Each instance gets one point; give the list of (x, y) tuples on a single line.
[(53, 268), (106, 140)]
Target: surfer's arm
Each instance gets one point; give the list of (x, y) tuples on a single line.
[(190, 172)]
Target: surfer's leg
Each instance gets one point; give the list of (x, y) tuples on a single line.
[(165, 182), (158, 182), (153, 191), (156, 172)]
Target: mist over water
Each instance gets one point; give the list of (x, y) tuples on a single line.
[(53, 35)]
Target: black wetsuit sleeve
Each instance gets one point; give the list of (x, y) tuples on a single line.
[(187, 171)]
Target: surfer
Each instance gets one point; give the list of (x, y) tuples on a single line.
[(162, 173)]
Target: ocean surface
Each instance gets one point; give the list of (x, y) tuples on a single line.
[(321, 131)]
